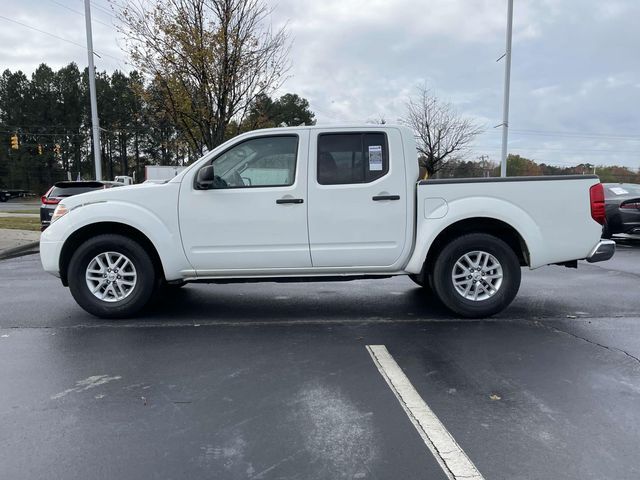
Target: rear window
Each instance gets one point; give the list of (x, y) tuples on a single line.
[(68, 190), (351, 157), (618, 189)]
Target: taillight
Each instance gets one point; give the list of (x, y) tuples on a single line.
[(50, 201), (596, 194), (44, 198), (631, 205)]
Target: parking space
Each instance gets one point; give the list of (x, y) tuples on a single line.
[(275, 380)]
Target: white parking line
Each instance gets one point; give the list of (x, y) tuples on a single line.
[(455, 463)]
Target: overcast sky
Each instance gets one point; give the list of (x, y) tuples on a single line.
[(575, 76)]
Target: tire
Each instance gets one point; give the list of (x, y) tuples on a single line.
[(131, 277), (494, 286)]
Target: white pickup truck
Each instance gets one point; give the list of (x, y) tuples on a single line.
[(321, 203)]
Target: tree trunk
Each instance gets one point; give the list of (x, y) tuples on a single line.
[(123, 154)]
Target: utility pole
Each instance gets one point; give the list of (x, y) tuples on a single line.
[(484, 161), (95, 123), (507, 84)]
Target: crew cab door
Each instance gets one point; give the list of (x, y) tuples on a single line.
[(254, 216), (357, 198)]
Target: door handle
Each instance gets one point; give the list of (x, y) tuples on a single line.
[(378, 198), (280, 201)]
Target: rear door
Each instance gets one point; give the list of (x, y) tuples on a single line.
[(357, 205)]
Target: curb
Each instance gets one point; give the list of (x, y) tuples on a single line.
[(28, 249)]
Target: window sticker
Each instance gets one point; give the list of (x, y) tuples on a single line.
[(375, 157), (618, 191)]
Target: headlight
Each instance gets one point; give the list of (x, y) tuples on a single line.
[(59, 212)]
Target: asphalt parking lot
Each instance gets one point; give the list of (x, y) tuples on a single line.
[(275, 381)]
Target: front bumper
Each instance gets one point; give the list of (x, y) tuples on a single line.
[(50, 254), (603, 251)]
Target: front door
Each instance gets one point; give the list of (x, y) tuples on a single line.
[(255, 215), (357, 198)]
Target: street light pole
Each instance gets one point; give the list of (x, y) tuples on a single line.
[(95, 123), (507, 85)]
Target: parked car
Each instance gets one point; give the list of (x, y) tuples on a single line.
[(4, 195), (622, 205), (60, 190), (322, 204), (124, 179)]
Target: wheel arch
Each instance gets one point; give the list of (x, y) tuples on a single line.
[(491, 226), (88, 231)]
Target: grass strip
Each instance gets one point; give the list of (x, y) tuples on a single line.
[(20, 223)]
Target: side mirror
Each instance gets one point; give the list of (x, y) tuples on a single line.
[(205, 178)]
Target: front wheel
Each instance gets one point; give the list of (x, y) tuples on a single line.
[(111, 276), (477, 275), (422, 280)]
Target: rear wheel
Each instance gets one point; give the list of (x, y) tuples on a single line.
[(477, 275), (111, 276)]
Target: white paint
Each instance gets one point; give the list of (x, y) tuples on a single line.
[(346, 227), (338, 436), (230, 455), (4, 336), (235, 228), (337, 229), (87, 384), (454, 462)]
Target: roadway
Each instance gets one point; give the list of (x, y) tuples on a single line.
[(275, 380)]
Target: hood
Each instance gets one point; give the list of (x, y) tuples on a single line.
[(141, 193)]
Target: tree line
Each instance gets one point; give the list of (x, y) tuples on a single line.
[(521, 166), (50, 116)]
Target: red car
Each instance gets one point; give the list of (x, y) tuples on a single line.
[(66, 189)]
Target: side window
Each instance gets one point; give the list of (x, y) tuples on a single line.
[(352, 157), (258, 162)]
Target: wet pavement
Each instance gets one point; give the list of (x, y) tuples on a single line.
[(274, 380)]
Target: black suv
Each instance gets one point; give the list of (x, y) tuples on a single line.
[(61, 190)]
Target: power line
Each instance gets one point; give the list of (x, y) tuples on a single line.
[(56, 36), (42, 126), (104, 10), (38, 134), (559, 133), (585, 151), (101, 9), (79, 13)]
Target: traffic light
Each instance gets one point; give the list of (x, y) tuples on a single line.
[(39, 149), (14, 142)]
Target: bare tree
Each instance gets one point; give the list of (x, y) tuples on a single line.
[(377, 120), (442, 134), (211, 59)]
